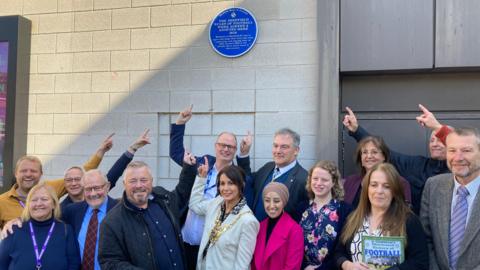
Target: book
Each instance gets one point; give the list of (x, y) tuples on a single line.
[(383, 252)]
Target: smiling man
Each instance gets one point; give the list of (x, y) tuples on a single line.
[(283, 169), (86, 216), (450, 209)]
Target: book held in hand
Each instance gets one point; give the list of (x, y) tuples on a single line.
[(383, 252)]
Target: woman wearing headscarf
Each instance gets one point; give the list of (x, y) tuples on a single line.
[(43, 241), (280, 239)]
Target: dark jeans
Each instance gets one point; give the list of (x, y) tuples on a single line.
[(191, 253)]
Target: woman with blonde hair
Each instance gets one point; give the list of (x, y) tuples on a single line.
[(43, 241), (382, 212), (324, 218)]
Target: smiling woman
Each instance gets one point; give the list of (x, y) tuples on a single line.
[(43, 241)]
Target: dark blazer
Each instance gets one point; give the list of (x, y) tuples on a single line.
[(435, 216), (75, 212), (297, 178)]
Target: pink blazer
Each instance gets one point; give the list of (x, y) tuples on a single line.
[(284, 249)]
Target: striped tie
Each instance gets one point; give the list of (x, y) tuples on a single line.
[(457, 225)]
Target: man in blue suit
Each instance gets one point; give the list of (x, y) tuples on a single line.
[(85, 217)]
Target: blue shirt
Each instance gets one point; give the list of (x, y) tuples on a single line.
[(82, 235), (193, 228), (472, 188)]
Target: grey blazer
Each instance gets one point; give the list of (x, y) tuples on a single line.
[(435, 216)]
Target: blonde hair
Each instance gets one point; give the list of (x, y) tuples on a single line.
[(33, 159), (56, 205), (332, 169), (395, 218)]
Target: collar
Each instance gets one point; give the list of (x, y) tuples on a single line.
[(287, 168), (13, 192), (472, 187), (130, 206)]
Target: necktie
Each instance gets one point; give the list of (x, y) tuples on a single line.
[(276, 173), (457, 225), (88, 262)]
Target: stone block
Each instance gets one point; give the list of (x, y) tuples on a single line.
[(151, 38), (130, 60), (111, 4), (43, 44), (267, 31), (233, 101), (90, 103), (169, 15), (148, 3), (200, 124), (32, 104), (301, 122), (174, 170), (93, 20), (40, 123), (140, 102), (73, 83), (41, 83), (55, 63), (30, 144), (307, 147), (111, 40), (149, 81), (57, 103), (33, 64), (11, 7), (91, 61), (74, 5), (203, 13), (179, 100), (290, 30), (137, 123), (172, 58), (292, 9), (130, 18), (263, 10), (205, 57), (110, 82), (50, 144), (164, 124), (299, 99), (39, 6), (56, 23), (233, 78), (108, 123), (260, 55), (202, 145), (84, 144), (163, 167), (236, 123), (309, 29), (70, 123), (263, 147), (190, 35), (286, 77), (74, 42), (163, 145), (192, 79), (298, 53)]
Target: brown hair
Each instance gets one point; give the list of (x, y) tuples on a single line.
[(332, 169), (394, 219), (378, 142), (33, 159), (56, 205), (235, 174)]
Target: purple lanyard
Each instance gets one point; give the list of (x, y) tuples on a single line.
[(35, 246), (21, 203)]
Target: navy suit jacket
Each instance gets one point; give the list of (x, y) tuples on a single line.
[(75, 212)]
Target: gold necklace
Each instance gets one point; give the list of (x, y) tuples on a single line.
[(218, 229)]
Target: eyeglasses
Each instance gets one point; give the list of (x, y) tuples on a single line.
[(73, 179), (229, 147), (94, 188)]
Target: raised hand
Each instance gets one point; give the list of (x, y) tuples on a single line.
[(105, 146), (189, 158), (140, 142), (184, 115), (203, 169), (427, 119), (350, 120), (246, 144)]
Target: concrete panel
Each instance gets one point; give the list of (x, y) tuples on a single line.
[(457, 40), (386, 35)]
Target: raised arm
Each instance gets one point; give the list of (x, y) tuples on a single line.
[(184, 187), (119, 166), (177, 131), (198, 203), (350, 122)]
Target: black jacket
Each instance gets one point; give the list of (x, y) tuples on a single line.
[(125, 241)]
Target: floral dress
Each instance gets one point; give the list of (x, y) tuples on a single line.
[(320, 230)]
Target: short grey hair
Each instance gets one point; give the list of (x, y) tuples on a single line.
[(139, 164), (95, 172), (74, 168), (294, 135), (229, 133), (467, 131)]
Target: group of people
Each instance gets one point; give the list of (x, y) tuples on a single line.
[(226, 216)]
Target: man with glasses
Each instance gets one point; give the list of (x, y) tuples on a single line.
[(225, 150), (285, 169), (86, 216)]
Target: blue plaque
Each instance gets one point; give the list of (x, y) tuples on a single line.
[(233, 32)]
